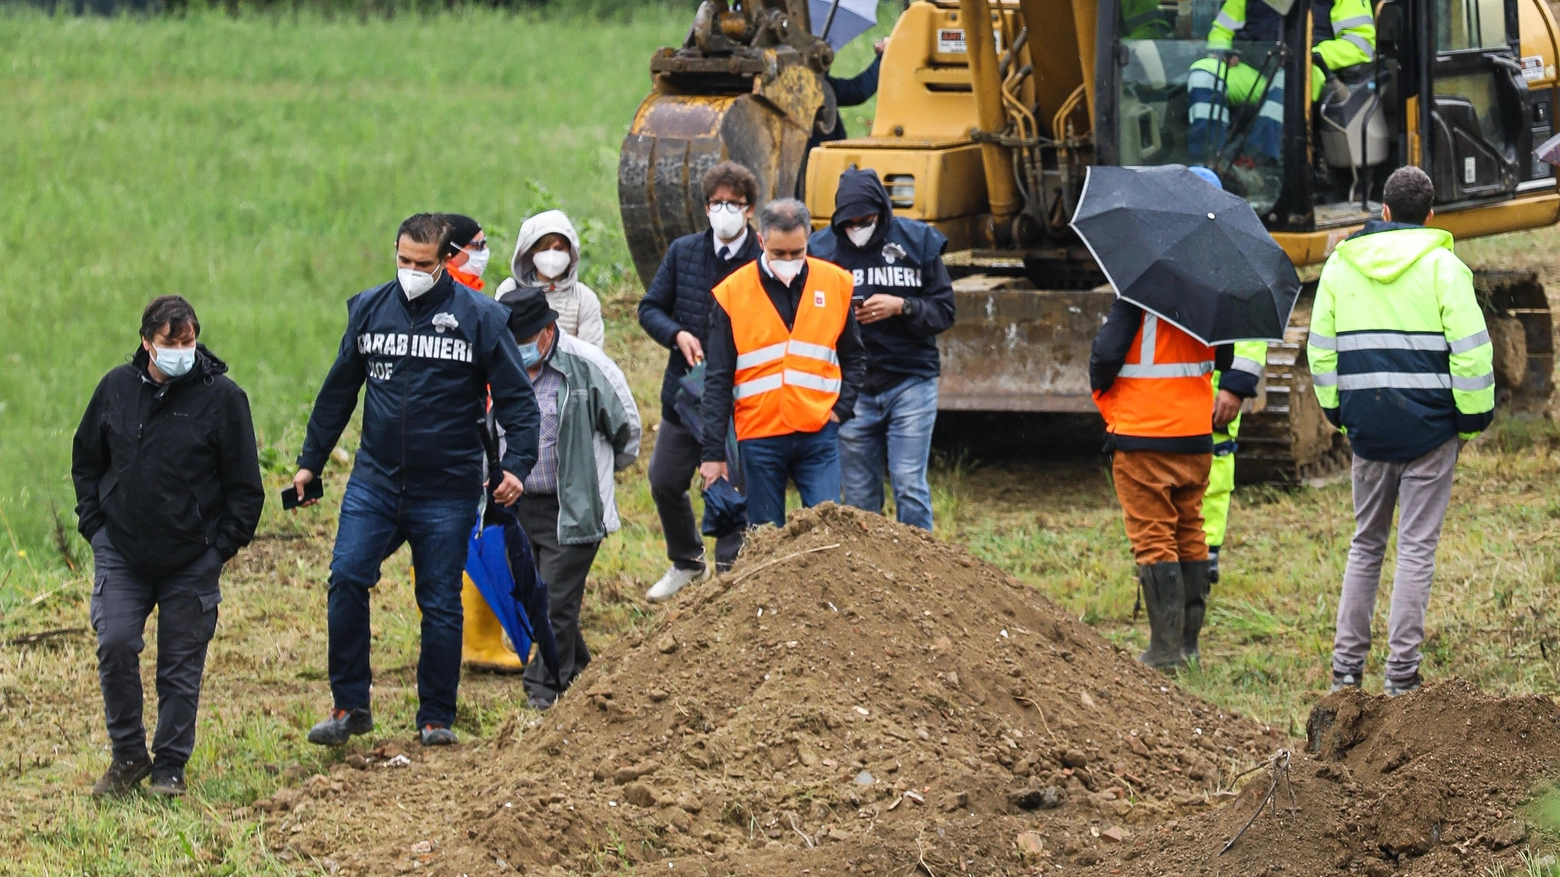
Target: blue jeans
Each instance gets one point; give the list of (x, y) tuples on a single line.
[(811, 459), (374, 523), (893, 428)]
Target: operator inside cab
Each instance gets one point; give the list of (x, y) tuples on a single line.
[(1343, 40), (1232, 55)]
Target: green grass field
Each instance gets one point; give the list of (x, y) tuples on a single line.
[(259, 166)]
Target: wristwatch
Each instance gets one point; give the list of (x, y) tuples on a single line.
[(909, 308)]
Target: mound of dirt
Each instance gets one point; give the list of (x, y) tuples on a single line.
[(854, 697), (1423, 784)]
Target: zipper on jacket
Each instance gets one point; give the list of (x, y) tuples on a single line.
[(411, 329)]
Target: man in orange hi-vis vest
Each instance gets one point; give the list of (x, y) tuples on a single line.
[(1154, 384), (784, 363)]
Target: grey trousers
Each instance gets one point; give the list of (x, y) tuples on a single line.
[(1422, 488), (672, 466), (563, 568), (186, 602)]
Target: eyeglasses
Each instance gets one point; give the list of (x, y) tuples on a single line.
[(859, 222), (476, 246), (727, 206)]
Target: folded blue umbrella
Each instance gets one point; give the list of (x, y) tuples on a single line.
[(487, 563), (502, 565)]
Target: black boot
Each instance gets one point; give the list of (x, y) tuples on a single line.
[(1195, 576), (1164, 596), (1213, 564)]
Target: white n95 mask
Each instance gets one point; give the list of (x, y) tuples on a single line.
[(859, 236), (414, 282), (785, 270), (551, 264), (727, 225)]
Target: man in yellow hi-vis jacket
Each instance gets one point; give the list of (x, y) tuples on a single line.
[(1241, 378), (1401, 361)]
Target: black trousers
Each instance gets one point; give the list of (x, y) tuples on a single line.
[(186, 602), (564, 569), (672, 467)]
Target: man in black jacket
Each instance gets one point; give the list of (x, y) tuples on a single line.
[(431, 351), (904, 299), (167, 491), (676, 313)]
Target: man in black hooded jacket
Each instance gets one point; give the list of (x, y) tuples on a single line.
[(903, 300), (167, 490)]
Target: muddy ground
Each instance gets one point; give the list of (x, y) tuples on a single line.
[(857, 697)]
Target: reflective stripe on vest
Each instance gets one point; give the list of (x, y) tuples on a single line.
[(785, 381), (1165, 389)]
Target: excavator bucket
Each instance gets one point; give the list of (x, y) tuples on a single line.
[(675, 138)]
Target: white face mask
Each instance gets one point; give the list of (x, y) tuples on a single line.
[(727, 225), (785, 270), (476, 262), (174, 362), (551, 264), (859, 236), (414, 282)]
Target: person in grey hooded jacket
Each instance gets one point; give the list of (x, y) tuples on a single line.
[(547, 261)]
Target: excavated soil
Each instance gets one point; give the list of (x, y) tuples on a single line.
[(855, 697), (1421, 785)]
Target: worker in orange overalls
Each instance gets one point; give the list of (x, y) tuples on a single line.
[(784, 361), (1153, 383)]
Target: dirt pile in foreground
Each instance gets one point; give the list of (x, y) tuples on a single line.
[(854, 697), (1421, 785)]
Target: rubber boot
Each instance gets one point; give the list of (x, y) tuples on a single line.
[(482, 638), (1164, 596), (1195, 577)]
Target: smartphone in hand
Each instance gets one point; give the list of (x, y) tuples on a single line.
[(313, 490)]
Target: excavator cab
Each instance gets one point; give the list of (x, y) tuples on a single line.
[(1450, 87)]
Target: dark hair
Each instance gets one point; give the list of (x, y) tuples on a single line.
[(733, 176), (171, 311), (462, 229), (783, 214), (1409, 194), (427, 228)]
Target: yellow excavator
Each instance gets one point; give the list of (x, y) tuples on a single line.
[(990, 113)]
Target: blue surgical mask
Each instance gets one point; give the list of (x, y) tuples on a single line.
[(174, 362), (531, 354)]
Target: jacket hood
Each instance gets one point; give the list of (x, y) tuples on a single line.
[(1384, 251), (534, 229), (860, 193), (207, 364)]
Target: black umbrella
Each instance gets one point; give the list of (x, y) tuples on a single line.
[(1188, 252)]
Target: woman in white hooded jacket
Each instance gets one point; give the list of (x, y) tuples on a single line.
[(547, 260)]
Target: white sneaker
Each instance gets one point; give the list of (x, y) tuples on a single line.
[(675, 580)]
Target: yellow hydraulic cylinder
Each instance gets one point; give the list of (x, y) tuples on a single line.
[(990, 117)]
